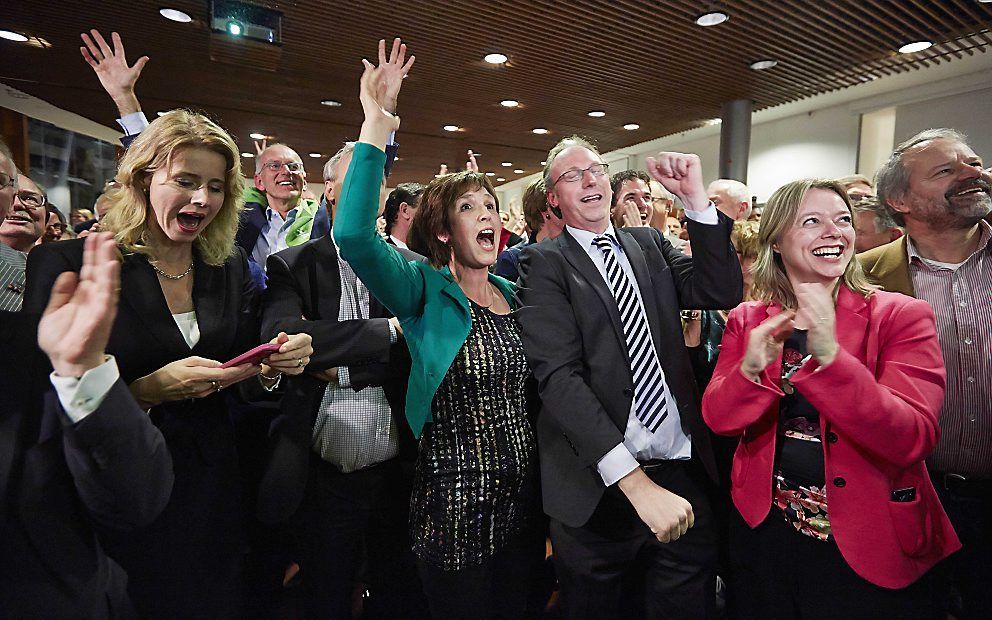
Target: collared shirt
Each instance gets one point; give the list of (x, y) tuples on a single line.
[(272, 237), (353, 429), (398, 243), (12, 267), (961, 298), (81, 396), (639, 444)]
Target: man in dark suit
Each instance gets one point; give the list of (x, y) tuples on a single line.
[(88, 455), (625, 457), (342, 451)]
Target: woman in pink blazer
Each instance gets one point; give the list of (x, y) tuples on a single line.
[(835, 389)]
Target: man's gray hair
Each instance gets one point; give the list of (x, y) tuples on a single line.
[(882, 218), (563, 144), (892, 178), (259, 162), (331, 167)]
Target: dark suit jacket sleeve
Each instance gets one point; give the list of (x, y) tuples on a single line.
[(335, 343), (553, 345), (119, 462), (45, 263), (711, 278)]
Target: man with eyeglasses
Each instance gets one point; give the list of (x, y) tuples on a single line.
[(276, 215), (626, 460), (19, 232)]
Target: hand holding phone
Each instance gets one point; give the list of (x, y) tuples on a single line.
[(255, 356)]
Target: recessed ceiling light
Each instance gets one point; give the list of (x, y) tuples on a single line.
[(500, 179), (540, 130), (12, 36), (509, 103), (714, 121), (631, 126), (235, 27), (451, 128), (331, 103), (315, 155), (175, 15), (712, 18), (507, 164), (758, 65), (257, 136), (495, 58), (597, 114), (490, 174), (916, 46), (247, 154), (161, 113), (518, 171)]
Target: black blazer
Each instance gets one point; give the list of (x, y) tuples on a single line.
[(174, 563), (304, 295), (574, 342), (57, 478)]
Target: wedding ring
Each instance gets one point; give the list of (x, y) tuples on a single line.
[(214, 385), (300, 363)]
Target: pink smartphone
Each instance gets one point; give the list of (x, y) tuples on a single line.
[(255, 356)]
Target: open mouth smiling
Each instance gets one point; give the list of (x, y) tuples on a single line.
[(487, 239)]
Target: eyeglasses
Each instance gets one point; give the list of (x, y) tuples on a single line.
[(571, 176), (31, 200), (7, 181), (292, 166)]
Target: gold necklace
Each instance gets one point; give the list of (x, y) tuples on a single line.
[(169, 275)]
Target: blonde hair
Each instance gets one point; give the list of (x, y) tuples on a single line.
[(771, 283), (154, 149)]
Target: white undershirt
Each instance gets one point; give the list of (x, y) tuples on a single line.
[(186, 321)]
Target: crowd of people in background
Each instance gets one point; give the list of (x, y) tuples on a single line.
[(629, 395)]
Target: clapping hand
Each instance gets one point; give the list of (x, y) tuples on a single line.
[(111, 68), (681, 174), (765, 343), (75, 327)]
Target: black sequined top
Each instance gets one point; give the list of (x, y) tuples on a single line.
[(475, 484)]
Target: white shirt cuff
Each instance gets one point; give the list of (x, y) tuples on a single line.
[(616, 464), (344, 377), (393, 336), (133, 123), (706, 216), (82, 396)]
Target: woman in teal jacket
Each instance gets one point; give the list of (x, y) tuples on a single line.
[(475, 504)]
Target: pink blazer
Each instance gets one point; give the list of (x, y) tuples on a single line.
[(878, 401)]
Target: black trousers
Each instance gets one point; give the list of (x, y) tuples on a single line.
[(780, 573), (614, 567), (970, 568), (346, 518), (500, 587)]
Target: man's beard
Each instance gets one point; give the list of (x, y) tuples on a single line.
[(956, 213)]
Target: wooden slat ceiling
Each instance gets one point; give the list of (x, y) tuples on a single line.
[(641, 61)]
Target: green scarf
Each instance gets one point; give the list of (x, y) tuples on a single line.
[(299, 229)]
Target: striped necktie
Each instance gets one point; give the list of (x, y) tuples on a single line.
[(650, 402)]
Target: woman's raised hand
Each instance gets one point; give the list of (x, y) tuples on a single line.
[(380, 86), (765, 343)]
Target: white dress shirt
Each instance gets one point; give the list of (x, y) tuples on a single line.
[(81, 396), (640, 444)]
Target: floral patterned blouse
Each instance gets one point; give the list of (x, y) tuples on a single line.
[(800, 493)]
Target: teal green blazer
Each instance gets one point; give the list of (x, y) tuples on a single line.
[(430, 305)]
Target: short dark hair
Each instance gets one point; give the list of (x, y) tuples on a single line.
[(434, 215), (535, 203), (619, 178), (404, 192)]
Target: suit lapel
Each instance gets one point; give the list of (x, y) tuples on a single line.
[(210, 298), (141, 291), (891, 270), (579, 259), (852, 322), (639, 265), (452, 290)]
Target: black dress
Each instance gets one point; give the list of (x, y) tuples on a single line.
[(476, 485)]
